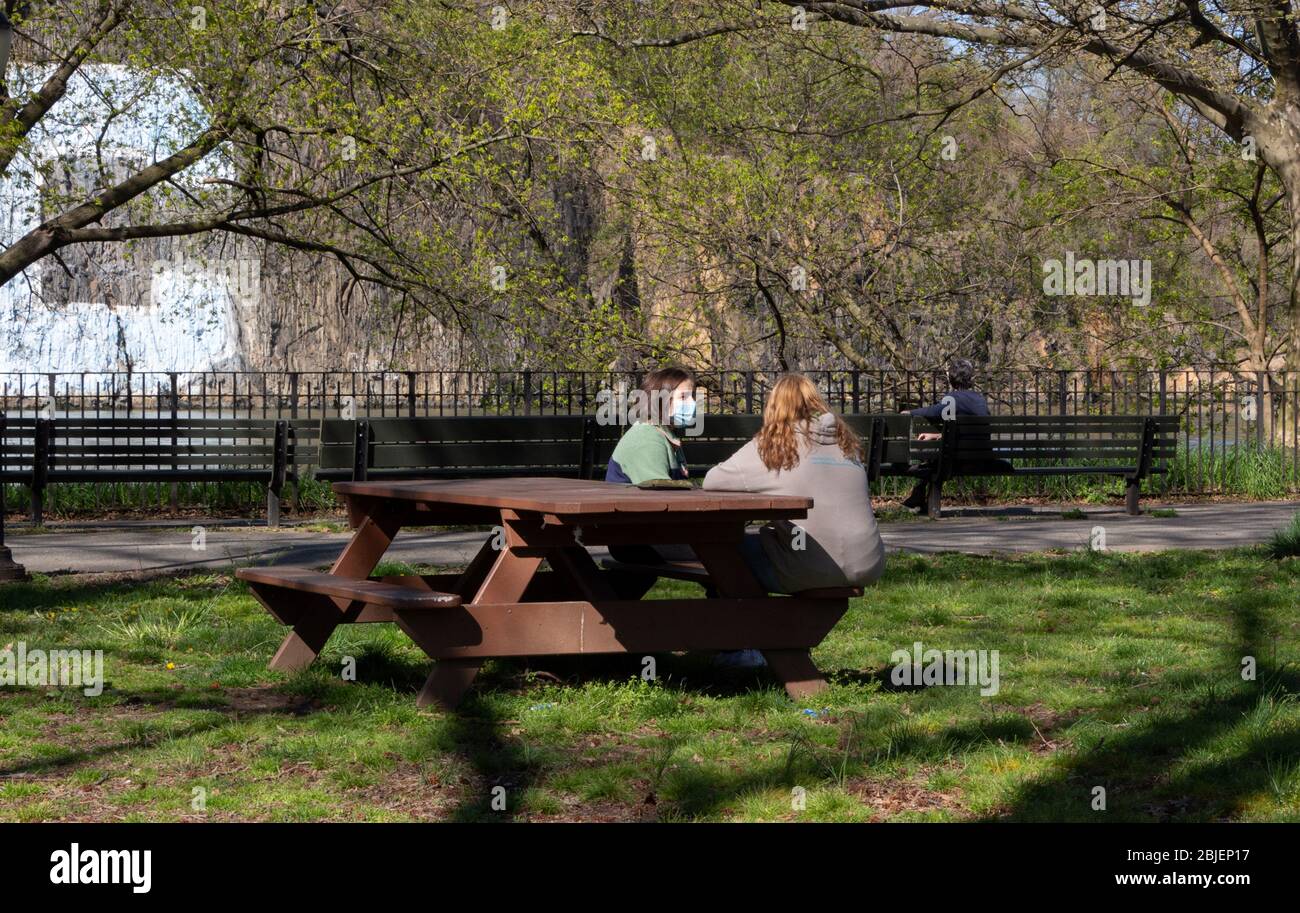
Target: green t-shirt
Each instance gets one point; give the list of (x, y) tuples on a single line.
[(646, 452)]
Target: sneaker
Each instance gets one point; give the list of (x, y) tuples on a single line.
[(918, 498), (740, 659)]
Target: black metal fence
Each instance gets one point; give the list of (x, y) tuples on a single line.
[(1223, 409)]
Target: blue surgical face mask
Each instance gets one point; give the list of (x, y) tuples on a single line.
[(684, 414)]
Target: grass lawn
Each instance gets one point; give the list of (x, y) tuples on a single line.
[(1116, 671)]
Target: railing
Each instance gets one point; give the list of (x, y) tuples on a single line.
[(312, 394), (1222, 408)]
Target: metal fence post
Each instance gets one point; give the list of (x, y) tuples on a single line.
[(1260, 406), (40, 466), (9, 569), (174, 490)]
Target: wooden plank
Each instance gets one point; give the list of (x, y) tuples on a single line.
[(115, 424), (373, 591), (483, 630), (572, 497), (479, 428), (202, 474), (693, 572), (490, 454)]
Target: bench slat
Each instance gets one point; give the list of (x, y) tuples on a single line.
[(372, 591), (695, 572)]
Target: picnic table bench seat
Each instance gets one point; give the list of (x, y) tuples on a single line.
[(695, 572), (369, 590)]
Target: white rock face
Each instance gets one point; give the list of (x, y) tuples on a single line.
[(166, 305)]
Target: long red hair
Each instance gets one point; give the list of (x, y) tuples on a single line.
[(792, 407)]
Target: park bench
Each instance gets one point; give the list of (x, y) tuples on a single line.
[(1132, 446), (440, 447), (574, 446), (17, 449), (114, 449)]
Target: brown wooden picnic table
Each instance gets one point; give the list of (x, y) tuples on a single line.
[(503, 604)]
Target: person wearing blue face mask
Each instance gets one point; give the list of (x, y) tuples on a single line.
[(683, 415), (651, 449)]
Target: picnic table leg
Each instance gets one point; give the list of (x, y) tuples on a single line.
[(794, 669), (505, 581), (312, 629), (476, 571), (448, 682), (576, 563), (304, 643)]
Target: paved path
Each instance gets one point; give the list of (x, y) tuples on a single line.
[(152, 548)]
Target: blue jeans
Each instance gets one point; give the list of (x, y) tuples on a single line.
[(751, 549)]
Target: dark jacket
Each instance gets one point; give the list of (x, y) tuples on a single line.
[(968, 402), (976, 445)]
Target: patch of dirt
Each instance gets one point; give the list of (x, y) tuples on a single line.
[(890, 798), (1046, 722)]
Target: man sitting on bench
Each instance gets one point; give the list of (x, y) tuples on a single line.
[(964, 401)]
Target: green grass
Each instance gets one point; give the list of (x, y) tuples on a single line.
[(83, 499), (1121, 671), (1285, 543)]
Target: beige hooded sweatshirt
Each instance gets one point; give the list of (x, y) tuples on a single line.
[(840, 543)]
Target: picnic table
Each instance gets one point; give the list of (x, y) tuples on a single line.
[(505, 605)]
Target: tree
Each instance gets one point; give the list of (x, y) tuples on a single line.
[(1236, 65), (394, 140)]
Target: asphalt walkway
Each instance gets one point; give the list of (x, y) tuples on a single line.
[(135, 548)]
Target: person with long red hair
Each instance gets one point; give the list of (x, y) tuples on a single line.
[(806, 449)]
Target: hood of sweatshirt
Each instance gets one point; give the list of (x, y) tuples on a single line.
[(822, 429)]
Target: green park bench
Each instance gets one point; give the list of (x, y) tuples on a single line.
[(41, 452), (95, 449), (440, 447), (1132, 446), (574, 446)]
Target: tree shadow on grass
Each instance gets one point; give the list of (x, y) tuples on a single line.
[(1152, 771), (148, 737)]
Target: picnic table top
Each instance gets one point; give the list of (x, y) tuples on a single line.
[(576, 496)]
